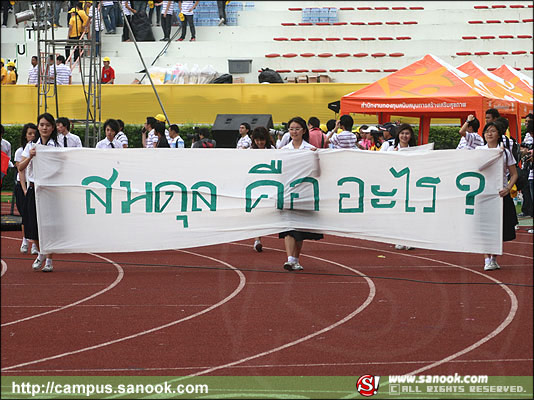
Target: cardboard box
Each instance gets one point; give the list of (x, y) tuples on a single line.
[(302, 79), (312, 78), (238, 79), (324, 78)]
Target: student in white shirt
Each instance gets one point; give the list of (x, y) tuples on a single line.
[(405, 138), (46, 124), (33, 73), (244, 142), (121, 136), (176, 141), (293, 240), (469, 131), (29, 134), (111, 127), (64, 137), (492, 134), (187, 8)]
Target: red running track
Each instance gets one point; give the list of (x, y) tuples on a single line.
[(227, 310)]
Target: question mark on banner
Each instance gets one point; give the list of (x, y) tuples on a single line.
[(470, 197)]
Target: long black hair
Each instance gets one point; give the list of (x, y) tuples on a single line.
[(52, 120), (23, 140), (402, 127), (497, 126), (303, 124), (261, 133)]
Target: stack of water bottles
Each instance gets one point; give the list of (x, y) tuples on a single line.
[(316, 15), (207, 12)]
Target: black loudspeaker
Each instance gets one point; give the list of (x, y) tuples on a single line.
[(335, 106), (225, 129)]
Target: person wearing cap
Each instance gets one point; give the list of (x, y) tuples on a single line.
[(161, 118), (11, 78), (367, 140), (3, 73), (108, 73)]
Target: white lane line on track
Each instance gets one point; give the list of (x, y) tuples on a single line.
[(311, 365), (491, 335), (119, 277), (4, 268), (240, 287), (370, 297)]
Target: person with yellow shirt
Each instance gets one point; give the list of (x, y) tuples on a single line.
[(3, 73), (11, 74), (77, 25)]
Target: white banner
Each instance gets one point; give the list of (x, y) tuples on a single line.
[(115, 200)]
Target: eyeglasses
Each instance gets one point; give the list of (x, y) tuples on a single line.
[(295, 129)]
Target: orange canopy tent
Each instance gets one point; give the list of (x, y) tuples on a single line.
[(429, 88), (516, 78)]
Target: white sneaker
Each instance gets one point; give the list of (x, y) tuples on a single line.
[(48, 268), (37, 264), (221, 21), (399, 247), (258, 246), (34, 249), (24, 248), (492, 265), (293, 266)]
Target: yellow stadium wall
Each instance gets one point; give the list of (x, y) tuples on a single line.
[(196, 104)]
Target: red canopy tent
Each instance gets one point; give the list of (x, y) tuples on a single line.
[(516, 78), (429, 88)]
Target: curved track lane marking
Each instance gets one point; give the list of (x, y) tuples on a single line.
[(370, 297), (491, 335), (4, 268), (111, 286), (240, 287)]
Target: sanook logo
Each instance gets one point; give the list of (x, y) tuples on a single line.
[(367, 385)]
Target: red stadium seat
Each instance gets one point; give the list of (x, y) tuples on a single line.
[(372, 70), (381, 8), (315, 39), (367, 38), (493, 21), (354, 70), (364, 8), (272, 55), (491, 69), (360, 55), (307, 55), (517, 6), (337, 70), (511, 21), (295, 9), (475, 22), (332, 39), (393, 23), (506, 36), (469, 37), (301, 70), (346, 8), (343, 55), (298, 39), (398, 8), (318, 70), (289, 55), (350, 38), (280, 39), (283, 71), (378, 55), (404, 38), (528, 20), (517, 52), (391, 70), (410, 22), (357, 23), (374, 23), (322, 23), (481, 53), (288, 24), (340, 23), (325, 55), (487, 37), (305, 24), (396, 54), (498, 6), (463, 53), (524, 36), (417, 8), (481, 7), (528, 68), (385, 38), (500, 53)]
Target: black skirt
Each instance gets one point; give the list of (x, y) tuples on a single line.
[(300, 235), (19, 198), (509, 219), (29, 216)]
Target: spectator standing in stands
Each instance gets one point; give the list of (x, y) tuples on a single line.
[(155, 5), (108, 14), (221, 5), (345, 139), (111, 127), (58, 5), (77, 25), (128, 12), (3, 72), (187, 9), (244, 142), (108, 73), (317, 137), (33, 72), (12, 76), (167, 10), (121, 136), (63, 73), (6, 6), (95, 10), (176, 141), (64, 137), (469, 131)]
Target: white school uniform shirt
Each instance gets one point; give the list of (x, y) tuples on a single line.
[(244, 143), (508, 160), (286, 138), (392, 147), (187, 7), (72, 140), (18, 158), (26, 154), (470, 141), (106, 144), (177, 142), (304, 145), (33, 75)]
